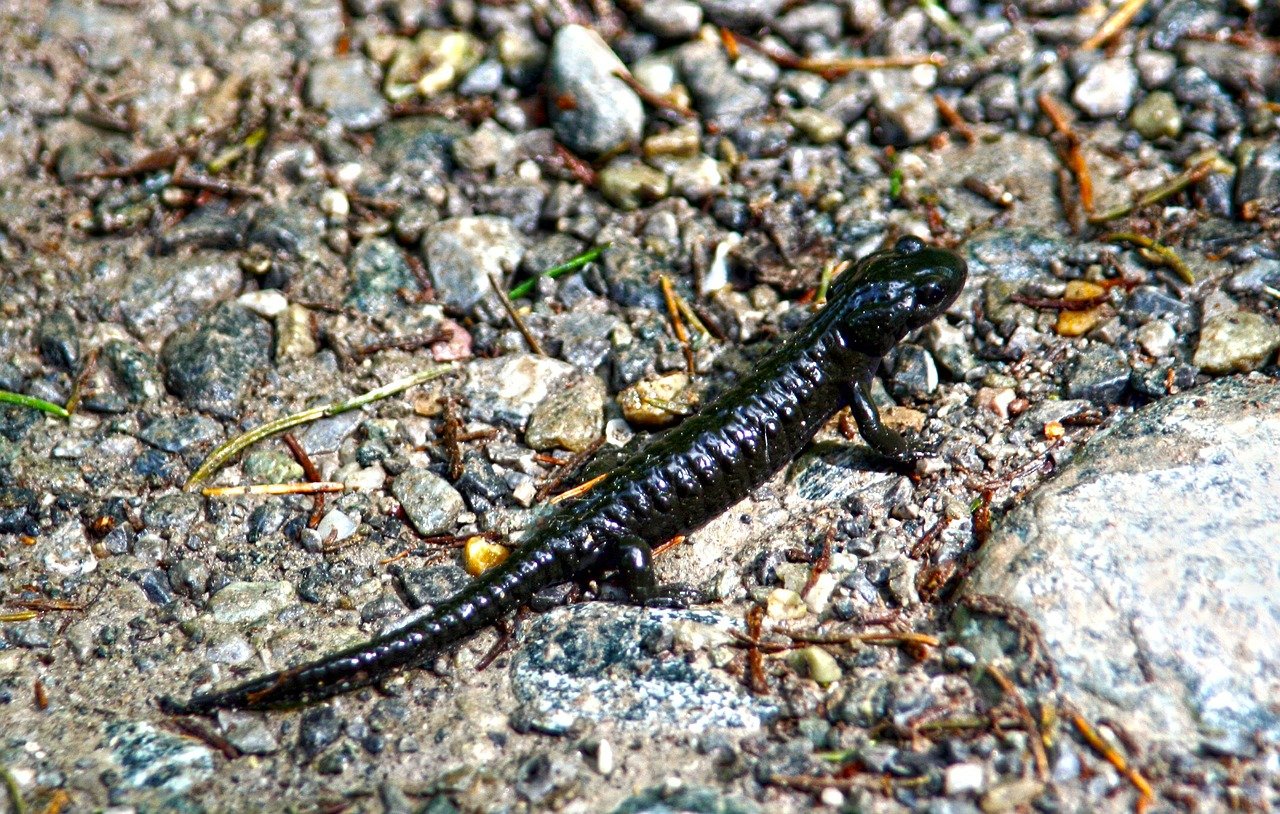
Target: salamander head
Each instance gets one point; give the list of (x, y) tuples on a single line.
[(890, 293)]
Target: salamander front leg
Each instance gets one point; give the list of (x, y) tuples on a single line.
[(883, 440), (634, 566)]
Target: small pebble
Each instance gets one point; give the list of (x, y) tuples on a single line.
[(784, 604), (430, 502), (246, 603), (964, 778), (335, 526), (604, 758), (820, 665), (571, 418), (268, 302), (1157, 338), (1107, 88), (1157, 116), (1236, 342), (592, 111), (1009, 795), (479, 555), (628, 183), (658, 402)]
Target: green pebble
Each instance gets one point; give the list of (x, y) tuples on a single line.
[(1156, 116)]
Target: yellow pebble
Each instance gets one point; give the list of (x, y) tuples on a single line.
[(1077, 323), (479, 555)]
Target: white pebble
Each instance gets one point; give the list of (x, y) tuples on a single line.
[(604, 758), (964, 778), (335, 204), (335, 526), (833, 798), (1157, 338), (266, 303)]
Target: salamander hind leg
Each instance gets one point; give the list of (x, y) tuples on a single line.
[(634, 568), (883, 440)]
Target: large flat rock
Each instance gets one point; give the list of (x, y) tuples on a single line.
[(1151, 565)]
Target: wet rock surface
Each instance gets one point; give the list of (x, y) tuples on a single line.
[(209, 222)]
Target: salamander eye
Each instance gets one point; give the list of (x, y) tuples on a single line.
[(931, 293), (908, 245)]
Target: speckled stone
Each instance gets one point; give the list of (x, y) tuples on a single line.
[(378, 272), (461, 253), (431, 503), (580, 661), (1158, 612), (1107, 88), (1236, 342), (247, 603), (208, 364), (346, 88), (571, 418)]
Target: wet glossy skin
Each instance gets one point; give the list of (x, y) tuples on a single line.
[(677, 484)]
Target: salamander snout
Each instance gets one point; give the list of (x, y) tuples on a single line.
[(892, 292)]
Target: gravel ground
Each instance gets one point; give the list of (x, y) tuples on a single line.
[(213, 216)]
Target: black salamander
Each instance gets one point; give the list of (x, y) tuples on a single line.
[(681, 481)]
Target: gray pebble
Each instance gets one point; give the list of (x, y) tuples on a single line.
[(507, 389), (208, 364), (1148, 302), (719, 93), (327, 434), (950, 349), (19, 509), (461, 253), (146, 757), (908, 112), (59, 340), (1259, 180), (378, 272), (1155, 68), (173, 513), (483, 79), (32, 634), (231, 648), (318, 728), (741, 14), (571, 418), (429, 586), (431, 503), (1157, 338), (346, 88), (489, 146), (289, 228), (158, 296), (1182, 17), (1100, 375), (189, 577), (1255, 275), (1107, 88), (248, 732), (914, 374), (605, 115), (247, 603), (154, 584), (136, 370), (671, 19)]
